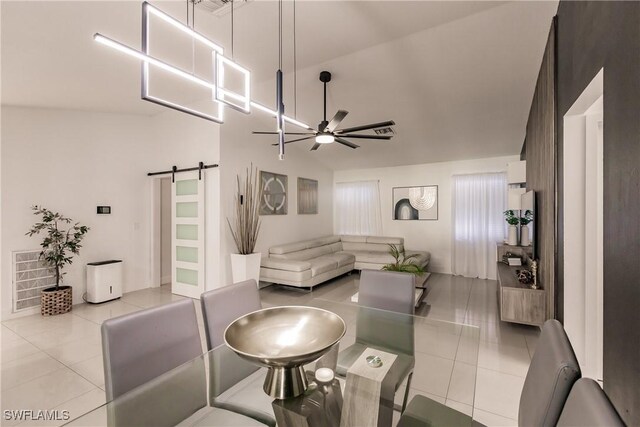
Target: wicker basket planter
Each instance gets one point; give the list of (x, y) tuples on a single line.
[(56, 301)]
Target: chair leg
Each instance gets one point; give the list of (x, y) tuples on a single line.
[(406, 392)]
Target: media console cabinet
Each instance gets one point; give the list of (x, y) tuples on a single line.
[(518, 303)]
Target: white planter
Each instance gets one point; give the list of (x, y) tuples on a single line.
[(524, 236), (245, 267), (513, 236)]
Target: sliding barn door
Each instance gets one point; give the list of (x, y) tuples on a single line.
[(188, 235)]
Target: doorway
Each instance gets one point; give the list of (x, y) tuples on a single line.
[(583, 226)]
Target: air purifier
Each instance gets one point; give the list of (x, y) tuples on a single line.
[(104, 281)]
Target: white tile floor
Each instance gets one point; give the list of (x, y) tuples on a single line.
[(56, 362)]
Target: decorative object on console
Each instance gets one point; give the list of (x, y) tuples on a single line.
[(512, 220), (534, 273), (307, 196), (245, 264), (274, 193), (524, 276), (284, 339), (58, 248), (328, 133), (524, 227), (415, 203)]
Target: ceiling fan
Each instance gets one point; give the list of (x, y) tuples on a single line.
[(328, 133)]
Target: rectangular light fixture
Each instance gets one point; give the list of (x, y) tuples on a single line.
[(273, 113), (148, 9), (222, 94)]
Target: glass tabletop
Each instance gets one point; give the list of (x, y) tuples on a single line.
[(379, 354)]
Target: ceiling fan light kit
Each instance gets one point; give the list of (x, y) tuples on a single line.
[(325, 138)]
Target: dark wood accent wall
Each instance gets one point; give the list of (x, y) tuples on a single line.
[(593, 35), (540, 152)]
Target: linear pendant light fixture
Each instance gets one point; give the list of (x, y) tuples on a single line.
[(221, 95)]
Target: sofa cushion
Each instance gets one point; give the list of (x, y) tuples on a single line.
[(309, 254), (385, 240), (366, 247), (322, 265), (289, 247), (353, 239), (285, 264), (305, 244), (342, 258)]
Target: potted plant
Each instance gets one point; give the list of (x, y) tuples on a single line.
[(524, 228), (513, 221), (245, 264), (58, 248), (404, 264)]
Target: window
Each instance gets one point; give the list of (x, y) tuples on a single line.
[(357, 208), (478, 203)]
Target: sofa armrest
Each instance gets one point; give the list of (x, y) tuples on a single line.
[(285, 264)]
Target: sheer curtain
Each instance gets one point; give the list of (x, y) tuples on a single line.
[(478, 203), (357, 208)]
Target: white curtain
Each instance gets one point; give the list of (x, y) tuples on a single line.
[(478, 203), (357, 208)]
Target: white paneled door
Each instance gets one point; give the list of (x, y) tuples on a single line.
[(188, 234)]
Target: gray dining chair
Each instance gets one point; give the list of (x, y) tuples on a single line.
[(153, 376), (553, 371), (588, 405), (386, 299), (220, 307)]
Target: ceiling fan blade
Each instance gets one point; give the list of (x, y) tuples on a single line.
[(345, 142), (286, 133), (294, 140), (354, 135), (315, 146), (367, 127), (335, 121)]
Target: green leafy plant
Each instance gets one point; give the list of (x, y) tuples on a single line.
[(247, 220), (59, 245), (403, 262), (527, 218), (511, 217)]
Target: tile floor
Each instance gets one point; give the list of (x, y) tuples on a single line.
[(56, 363)]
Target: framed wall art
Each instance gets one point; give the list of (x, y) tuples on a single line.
[(415, 203), (274, 193), (307, 196)]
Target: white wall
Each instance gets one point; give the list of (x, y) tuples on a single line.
[(432, 236), (72, 161), (238, 149)]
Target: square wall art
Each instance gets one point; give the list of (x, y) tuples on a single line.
[(274, 194), (307, 196), (415, 203)]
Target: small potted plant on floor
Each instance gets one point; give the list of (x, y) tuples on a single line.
[(513, 221), (404, 263), (245, 264), (58, 248)]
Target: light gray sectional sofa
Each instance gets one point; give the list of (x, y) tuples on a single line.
[(308, 263)]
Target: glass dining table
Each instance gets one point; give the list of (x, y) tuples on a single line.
[(380, 353)]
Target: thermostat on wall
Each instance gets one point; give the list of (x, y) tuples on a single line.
[(104, 210)]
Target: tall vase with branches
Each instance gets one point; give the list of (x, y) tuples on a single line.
[(245, 227)]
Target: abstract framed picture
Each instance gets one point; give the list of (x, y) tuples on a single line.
[(274, 199), (415, 203), (307, 196)]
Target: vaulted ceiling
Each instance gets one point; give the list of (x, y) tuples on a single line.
[(457, 77)]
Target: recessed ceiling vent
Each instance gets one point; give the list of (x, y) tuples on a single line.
[(219, 7), (385, 131)]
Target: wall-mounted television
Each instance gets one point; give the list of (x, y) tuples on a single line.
[(528, 204)]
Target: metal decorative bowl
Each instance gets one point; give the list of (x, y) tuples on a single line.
[(284, 339)]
